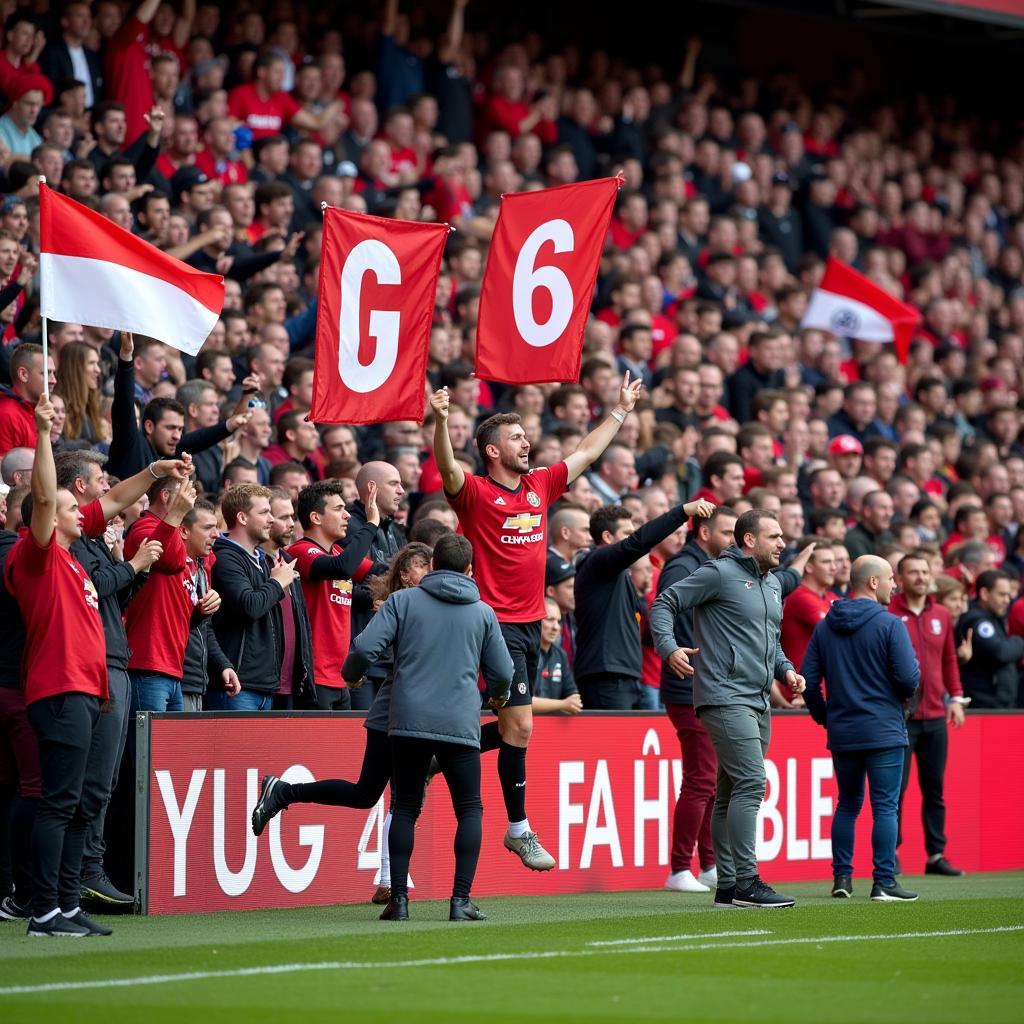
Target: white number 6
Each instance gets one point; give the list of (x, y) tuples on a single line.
[(528, 277)]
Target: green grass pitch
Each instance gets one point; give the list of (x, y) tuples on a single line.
[(955, 955)]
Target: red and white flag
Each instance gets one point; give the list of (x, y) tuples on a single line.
[(850, 305), (541, 268), (378, 282), (93, 272)]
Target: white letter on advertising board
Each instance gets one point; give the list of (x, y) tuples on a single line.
[(821, 808), (312, 836), (234, 883), (180, 821), (796, 848), (570, 773), (601, 803), (650, 810), (769, 849)]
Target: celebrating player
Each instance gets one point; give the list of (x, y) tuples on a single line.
[(504, 515)]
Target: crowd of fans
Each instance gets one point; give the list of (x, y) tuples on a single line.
[(217, 134)]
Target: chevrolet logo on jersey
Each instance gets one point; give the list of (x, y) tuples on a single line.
[(524, 522), (345, 586)]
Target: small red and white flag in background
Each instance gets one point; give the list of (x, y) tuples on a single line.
[(851, 306), (93, 272), (378, 282)]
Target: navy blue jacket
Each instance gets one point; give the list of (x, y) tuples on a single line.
[(867, 661)]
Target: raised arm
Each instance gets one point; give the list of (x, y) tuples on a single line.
[(452, 473), (44, 477), (127, 492), (593, 445)]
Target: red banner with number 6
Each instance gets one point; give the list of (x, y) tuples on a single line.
[(378, 280), (539, 282)]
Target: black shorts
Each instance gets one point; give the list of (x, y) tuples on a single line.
[(523, 642)]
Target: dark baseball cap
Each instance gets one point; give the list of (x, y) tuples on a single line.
[(185, 179), (558, 571)]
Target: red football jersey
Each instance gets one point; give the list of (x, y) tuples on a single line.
[(65, 650), (329, 603), (265, 117), (508, 531), (802, 611)]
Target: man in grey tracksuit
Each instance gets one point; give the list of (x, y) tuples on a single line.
[(442, 636), (737, 612)]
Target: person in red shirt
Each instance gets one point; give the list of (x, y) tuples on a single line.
[(17, 419), (508, 110), (803, 610), (160, 615), (266, 108), (503, 514), (127, 67), (23, 44), (215, 158), (931, 632), (64, 676), (327, 573)]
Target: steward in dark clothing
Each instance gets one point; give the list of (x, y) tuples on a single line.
[(609, 657), (866, 656), (130, 451), (990, 678), (249, 625)]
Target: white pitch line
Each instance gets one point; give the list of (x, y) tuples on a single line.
[(676, 938), (448, 961)]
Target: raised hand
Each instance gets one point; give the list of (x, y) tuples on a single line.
[(439, 402), (629, 392), (701, 508), (44, 413), (372, 510), (147, 556)]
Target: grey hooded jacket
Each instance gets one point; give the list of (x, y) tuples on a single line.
[(442, 636), (736, 621)]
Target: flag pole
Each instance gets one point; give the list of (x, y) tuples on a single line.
[(46, 347)]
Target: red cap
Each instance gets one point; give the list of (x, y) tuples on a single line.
[(845, 444), (26, 82)]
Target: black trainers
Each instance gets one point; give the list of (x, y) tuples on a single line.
[(942, 867), (842, 888), (894, 893), (758, 894), (85, 921), (724, 897), (396, 910), (101, 889), (270, 803), (464, 909), (58, 926), (10, 910)]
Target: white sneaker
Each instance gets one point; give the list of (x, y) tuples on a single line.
[(709, 877), (527, 847), (683, 881)]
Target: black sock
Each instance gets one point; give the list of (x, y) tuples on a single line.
[(512, 774), (490, 737)]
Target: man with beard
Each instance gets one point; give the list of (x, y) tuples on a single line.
[(737, 603), (504, 516)]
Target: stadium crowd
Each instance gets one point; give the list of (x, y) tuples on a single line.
[(217, 134)]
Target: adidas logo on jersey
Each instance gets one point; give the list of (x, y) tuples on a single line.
[(499, 500)]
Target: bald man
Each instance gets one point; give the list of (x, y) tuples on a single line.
[(872, 673), (16, 468), (389, 538)]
